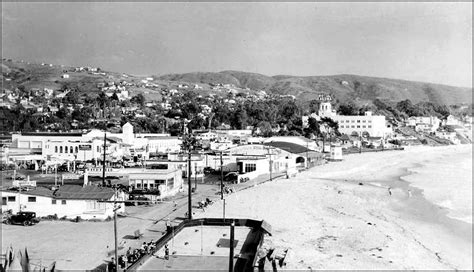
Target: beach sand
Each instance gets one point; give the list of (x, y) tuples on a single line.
[(362, 213)]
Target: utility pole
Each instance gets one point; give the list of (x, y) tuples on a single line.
[(360, 140), (115, 228), (103, 167), (190, 216), (270, 161), (307, 157), (222, 179), (195, 177), (231, 253)]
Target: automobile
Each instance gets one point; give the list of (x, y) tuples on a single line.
[(22, 218), (208, 170), (231, 176)]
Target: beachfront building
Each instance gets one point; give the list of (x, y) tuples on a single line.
[(368, 124), (68, 201), (167, 182), (423, 123)]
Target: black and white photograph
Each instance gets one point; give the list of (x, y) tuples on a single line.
[(243, 136)]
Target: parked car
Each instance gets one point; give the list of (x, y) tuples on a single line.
[(231, 176), (22, 218)]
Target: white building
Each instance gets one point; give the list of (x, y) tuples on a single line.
[(68, 201), (374, 125), (164, 144), (422, 123), (167, 182)]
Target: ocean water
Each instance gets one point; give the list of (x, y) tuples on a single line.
[(446, 180)]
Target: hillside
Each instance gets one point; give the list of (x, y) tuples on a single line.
[(342, 87)]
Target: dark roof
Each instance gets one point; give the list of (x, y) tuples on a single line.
[(344, 137), (86, 192), (51, 134), (35, 191), (289, 147)]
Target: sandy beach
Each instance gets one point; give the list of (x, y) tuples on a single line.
[(408, 213), (371, 211)]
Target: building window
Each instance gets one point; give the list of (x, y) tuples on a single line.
[(63, 202), (4, 201), (77, 149), (31, 199), (363, 121), (358, 126), (370, 126), (53, 201), (60, 149), (71, 150), (352, 121), (352, 126), (98, 150), (65, 149), (55, 149), (358, 121), (11, 199), (250, 167), (363, 126)]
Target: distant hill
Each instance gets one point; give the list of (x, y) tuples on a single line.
[(342, 87)]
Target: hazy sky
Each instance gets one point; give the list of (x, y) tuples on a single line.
[(414, 41)]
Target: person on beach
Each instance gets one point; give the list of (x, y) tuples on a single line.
[(167, 252), (389, 190)]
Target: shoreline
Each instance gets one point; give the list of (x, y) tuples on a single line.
[(329, 221)]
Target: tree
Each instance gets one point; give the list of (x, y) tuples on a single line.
[(348, 109), (138, 99)]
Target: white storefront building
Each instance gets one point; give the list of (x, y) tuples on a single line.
[(373, 125)]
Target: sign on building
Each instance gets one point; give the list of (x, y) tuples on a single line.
[(85, 147)]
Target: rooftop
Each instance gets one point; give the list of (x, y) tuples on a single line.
[(289, 147)]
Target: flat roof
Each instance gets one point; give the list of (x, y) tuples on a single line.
[(200, 248)]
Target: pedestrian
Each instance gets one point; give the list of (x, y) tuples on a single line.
[(167, 252), (111, 266), (389, 191), (175, 203)]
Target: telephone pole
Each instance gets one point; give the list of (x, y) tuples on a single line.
[(190, 216), (103, 167), (222, 179)]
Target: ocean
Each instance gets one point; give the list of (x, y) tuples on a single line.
[(446, 180)]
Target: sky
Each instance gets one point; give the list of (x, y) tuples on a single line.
[(430, 42)]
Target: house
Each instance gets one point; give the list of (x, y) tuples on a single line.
[(422, 123), (69, 201), (165, 182)]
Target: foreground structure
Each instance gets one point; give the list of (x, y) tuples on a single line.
[(207, 244)]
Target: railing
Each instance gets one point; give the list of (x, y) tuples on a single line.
[(198, 222)]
